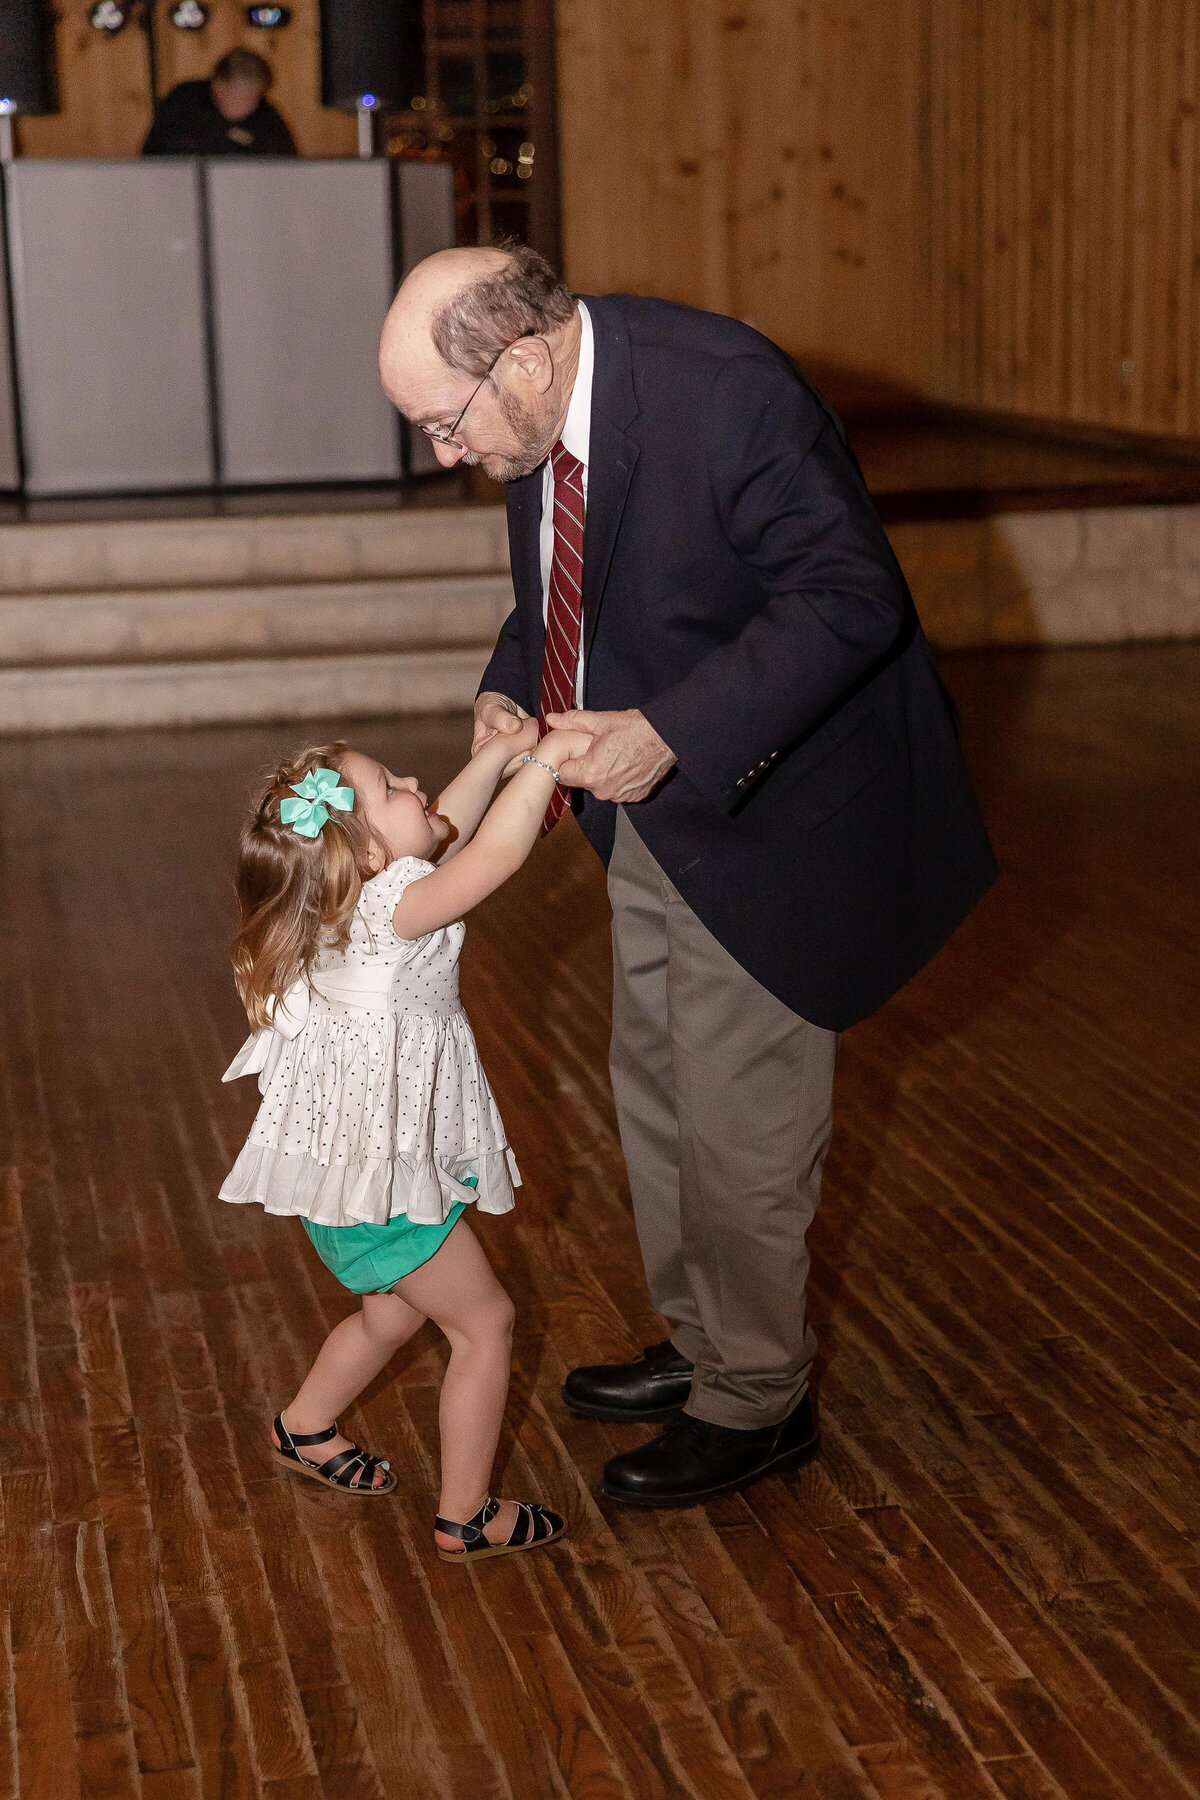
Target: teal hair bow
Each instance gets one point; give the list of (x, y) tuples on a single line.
[(318, 792)]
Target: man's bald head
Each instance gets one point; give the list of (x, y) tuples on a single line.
[(454, 317), (407, 344)]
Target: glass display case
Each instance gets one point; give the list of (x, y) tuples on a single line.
[(488, 109)]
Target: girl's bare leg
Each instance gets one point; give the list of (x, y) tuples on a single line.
[(347, 1362), (458, 1291)]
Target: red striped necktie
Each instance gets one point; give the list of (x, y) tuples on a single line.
[(564, 604)]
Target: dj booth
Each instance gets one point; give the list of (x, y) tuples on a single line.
[(181, 323)]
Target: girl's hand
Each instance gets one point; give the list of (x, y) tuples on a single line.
[(518, 744), (563, 746), (521, 734)]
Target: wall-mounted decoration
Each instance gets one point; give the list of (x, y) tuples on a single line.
[(189, 15), (268, 18), (109, 15)]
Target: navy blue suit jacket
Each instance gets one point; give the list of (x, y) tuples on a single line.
[(739, 589)]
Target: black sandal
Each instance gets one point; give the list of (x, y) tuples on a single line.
[(536, 1523), (351, 1470)]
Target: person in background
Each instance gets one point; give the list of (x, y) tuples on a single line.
[(228, 115)]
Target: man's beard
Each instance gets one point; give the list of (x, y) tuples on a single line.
[(531, 451)]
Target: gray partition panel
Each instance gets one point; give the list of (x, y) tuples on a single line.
[(10, 461), (108, 305), (302, 278), (425, 223), (425, 197)]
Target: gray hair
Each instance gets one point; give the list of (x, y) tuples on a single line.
[(525, 298)]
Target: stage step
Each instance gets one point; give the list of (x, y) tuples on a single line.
[(284, 619), (112, 622), (161, 622), (240, 689), (230, 550)]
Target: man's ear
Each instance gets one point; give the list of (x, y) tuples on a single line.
[(532, 356)]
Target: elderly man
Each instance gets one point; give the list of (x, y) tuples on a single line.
[(774, 781), (228, 115)]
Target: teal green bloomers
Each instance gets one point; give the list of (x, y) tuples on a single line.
[(370, 1259)]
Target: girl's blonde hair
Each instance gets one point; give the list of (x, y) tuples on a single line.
[(295, 894)]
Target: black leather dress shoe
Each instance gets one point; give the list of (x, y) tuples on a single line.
[(654, 1387), (694, 1461)]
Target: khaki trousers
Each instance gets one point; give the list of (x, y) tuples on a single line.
[(724, 1099)]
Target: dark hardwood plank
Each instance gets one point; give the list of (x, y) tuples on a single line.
[(48, 1767), (1023, 1778), (216, 1705)]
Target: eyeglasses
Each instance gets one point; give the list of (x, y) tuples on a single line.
[(444, 434)]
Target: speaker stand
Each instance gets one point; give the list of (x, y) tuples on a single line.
[(6, 138), (366, 131)]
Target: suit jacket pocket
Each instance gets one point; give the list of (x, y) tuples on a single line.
[(815, 782)]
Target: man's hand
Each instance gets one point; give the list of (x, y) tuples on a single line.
[(627, 758), (495, 714)]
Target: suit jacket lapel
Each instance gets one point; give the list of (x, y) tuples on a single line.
[(612, 453), (611, 459), (524, 503)]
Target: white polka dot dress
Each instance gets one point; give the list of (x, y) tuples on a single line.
[(377, 1103)]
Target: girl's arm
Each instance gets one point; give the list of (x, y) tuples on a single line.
[(505, 837), (463, 803)]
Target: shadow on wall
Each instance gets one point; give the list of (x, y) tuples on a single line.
[(970, 587), (995, 547), (863, 396), (1090, 576)]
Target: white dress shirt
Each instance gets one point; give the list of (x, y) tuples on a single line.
[(576, 437)]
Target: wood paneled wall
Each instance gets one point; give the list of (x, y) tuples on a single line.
[(103, 91), (1063, 208), (104, 88), (988, 202), (755, 158), (985, 202)]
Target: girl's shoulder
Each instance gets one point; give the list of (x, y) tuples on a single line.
[(381, 895)]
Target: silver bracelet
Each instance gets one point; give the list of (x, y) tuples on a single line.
[(541, 765)]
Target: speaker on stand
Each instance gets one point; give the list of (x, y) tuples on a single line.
[(372, 59), (26, 85)]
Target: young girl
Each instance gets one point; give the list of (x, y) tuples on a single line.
[(377, 1126)]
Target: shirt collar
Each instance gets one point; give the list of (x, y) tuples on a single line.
[(577, 432)]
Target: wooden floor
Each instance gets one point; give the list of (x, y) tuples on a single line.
[(989, 1584)]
